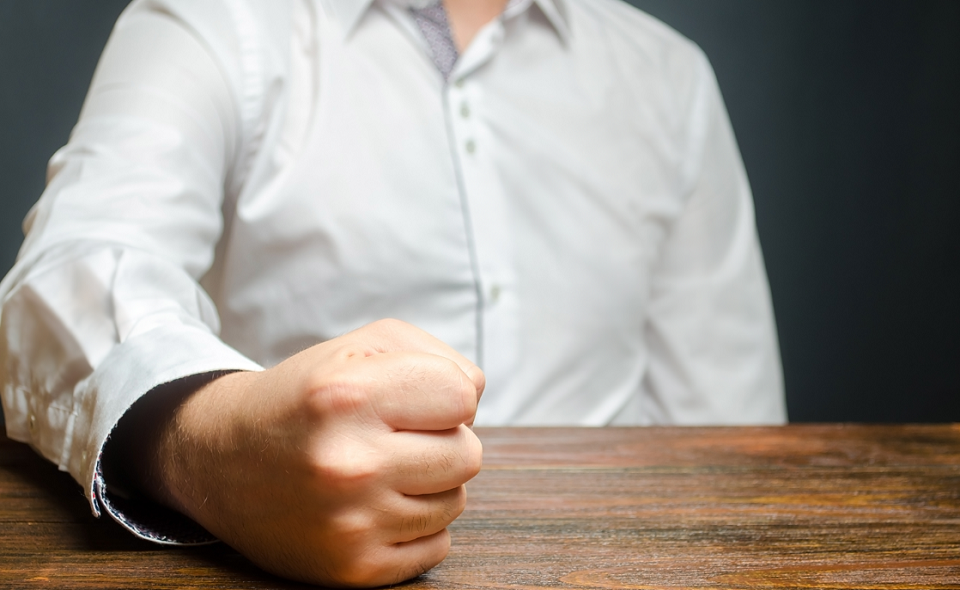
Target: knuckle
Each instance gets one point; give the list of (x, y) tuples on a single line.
[(364, 569), (390, 326), (345, 467), (348, 349), (390, 323), (353, 528), (472, 453), (458, 503), (452, 386), (355, 574), (467, 392), (363, 561), (479, 380), (346, 555), (400, 571), (336, 394), (420, 567), (415, 525)]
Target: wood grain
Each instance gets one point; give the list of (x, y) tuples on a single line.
[(806, 506)]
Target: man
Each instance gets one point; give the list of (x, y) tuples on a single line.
[(547, 189)]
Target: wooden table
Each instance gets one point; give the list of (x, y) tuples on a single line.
[(873, 507)]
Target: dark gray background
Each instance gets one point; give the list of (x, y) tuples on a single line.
[(847, 116)]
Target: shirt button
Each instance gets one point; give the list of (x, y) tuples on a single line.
[(33, 422), (465, 110), (494, 293), (83, 457), (471, 146), (459, 83)]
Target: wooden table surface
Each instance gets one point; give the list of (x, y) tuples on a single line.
[(806, 506)]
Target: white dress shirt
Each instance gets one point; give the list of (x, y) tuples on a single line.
[(248, 178)]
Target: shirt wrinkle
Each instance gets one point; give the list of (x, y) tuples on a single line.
[(584, 227)]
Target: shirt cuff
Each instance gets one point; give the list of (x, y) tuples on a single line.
[(146, 519), (129, 371)]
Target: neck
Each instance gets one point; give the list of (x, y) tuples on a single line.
[(467, 17)]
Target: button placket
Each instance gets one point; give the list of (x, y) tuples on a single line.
[(463, 119), (490, 220), (463, 105), (487, 208)]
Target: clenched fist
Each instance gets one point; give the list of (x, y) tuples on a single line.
[(342, 466)]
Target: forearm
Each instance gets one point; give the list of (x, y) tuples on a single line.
[(143, 449)]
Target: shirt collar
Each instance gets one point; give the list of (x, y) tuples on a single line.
[(349, 12), (554, 10)]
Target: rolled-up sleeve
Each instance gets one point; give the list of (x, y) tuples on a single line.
[(104, 303)]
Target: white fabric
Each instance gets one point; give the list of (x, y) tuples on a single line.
[(250, 178)]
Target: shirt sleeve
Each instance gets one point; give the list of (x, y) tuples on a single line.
[(104, 302), (713, 347)]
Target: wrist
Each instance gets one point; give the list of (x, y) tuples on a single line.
[(137, 454), (194, 439)]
